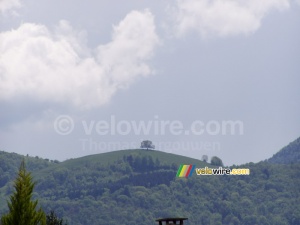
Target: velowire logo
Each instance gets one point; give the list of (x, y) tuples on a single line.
[(185, 170)]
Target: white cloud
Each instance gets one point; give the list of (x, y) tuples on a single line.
[(39, 64), (6, 5), (223, 17)]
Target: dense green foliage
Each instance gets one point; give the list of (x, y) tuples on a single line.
[(138, 186), (9, 165), (289, 154), (22, 209)]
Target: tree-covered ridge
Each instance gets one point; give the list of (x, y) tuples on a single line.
[(139, 186), (41, 168), (288, 154), (120, 192), (9, 165), (10, 162)]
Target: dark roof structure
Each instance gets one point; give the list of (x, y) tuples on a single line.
[(171, 221)]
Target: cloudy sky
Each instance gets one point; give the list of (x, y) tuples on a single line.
[(213, 77)]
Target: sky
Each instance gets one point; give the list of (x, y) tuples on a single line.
[(196, 77)]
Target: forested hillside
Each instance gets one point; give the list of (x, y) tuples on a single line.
[(288, 154), (138, 186), (9, 165)]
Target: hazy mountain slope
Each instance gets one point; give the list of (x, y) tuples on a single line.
[(288, 154)]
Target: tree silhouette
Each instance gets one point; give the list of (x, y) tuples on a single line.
[(216, 161), (147, 144), (52, 219), (205, 158)]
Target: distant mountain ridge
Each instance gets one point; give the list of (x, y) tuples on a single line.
[(287, 155)]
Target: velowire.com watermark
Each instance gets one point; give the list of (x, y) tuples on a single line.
[(222, 171), (64, 125), (188, 170)]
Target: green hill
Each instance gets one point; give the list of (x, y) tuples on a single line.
[(288, 154), (136, 187), (111, 157)]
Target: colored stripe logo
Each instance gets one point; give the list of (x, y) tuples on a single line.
[(185, 170)]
